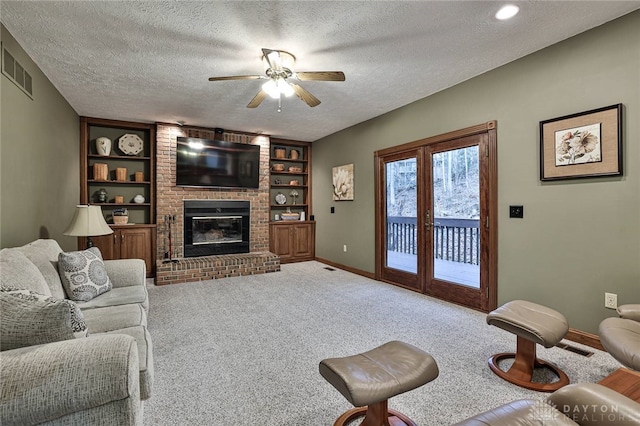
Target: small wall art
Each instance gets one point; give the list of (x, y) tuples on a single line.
[(586, 144), (343, 189)]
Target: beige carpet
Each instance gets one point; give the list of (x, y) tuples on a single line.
[(245, 351)]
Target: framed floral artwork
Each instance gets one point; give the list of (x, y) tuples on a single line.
[(586, 144), (343, 183)]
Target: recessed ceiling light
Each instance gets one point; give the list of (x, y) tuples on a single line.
[(507, 12)]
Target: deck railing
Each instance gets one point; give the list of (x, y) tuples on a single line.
[(456, 240)]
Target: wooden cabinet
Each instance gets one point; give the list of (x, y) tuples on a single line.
[(293, 241), (128, 242), (127, 174), (290, 192)]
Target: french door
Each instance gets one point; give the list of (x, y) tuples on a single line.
[(435, 216)]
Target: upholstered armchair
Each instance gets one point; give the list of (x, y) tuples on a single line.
[(621, 336)]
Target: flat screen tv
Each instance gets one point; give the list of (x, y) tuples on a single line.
[(217, 164)]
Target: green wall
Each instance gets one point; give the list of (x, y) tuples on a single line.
[(578, 239), (39, 158)]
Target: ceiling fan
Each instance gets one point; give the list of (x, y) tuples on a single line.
[(279, 64)]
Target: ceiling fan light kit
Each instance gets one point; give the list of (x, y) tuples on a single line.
[(279, 65), (277, 87)]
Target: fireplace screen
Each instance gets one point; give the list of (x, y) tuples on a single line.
[(217, 230)]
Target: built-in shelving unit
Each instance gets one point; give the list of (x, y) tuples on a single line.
[(290, 163), (136, 239), (290, 174)]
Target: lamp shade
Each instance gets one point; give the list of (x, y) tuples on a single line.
[(87, 221)]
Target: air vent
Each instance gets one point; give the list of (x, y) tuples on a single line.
[(574, 349), (16, 73)]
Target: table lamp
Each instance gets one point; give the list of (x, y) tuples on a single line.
[(88, 222)]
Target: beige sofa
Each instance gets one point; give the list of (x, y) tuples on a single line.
[(61, 376)]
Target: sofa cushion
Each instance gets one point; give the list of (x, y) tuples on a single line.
[(29, 318), (19, 272), (119, 296), (83, 274), (101, 320), (44, 255)]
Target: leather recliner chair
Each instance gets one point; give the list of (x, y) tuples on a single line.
[(584, 404), (621, 336)]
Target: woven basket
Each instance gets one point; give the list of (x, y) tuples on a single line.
[(121, 174), (290, 216), (120, 220), (100, 171)]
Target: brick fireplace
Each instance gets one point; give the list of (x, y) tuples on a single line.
[(170, 213)]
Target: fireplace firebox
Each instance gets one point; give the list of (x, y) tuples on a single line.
[(213, 227)]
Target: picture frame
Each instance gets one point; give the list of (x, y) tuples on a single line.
[(583, 145), (342, 179)]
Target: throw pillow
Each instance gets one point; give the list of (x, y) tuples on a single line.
[(29, 318), (83, 274)]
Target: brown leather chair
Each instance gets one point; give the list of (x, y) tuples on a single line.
[(587, 404), (621, 336)]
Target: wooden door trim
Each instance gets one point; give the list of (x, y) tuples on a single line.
[(456, 134), (380, 156), (492, 207)]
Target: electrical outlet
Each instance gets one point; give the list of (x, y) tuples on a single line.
[(610, 300), (344, 248)]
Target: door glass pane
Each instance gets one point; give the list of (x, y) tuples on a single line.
[(402, 215), (456, 214)]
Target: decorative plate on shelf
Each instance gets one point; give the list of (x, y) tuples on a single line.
[(130, 144), (281, 198)]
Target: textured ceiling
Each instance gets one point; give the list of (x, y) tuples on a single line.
[(150, 60)]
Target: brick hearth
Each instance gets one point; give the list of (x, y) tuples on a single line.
[(212, 267), (170, 199)]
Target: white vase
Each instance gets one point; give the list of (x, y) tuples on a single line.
[(103, 146), (138, 199)]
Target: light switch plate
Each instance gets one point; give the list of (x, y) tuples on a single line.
[(516, 211)]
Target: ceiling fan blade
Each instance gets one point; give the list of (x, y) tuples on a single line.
[(257, 99), (304, 94), (237, 77), (321, 76)]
